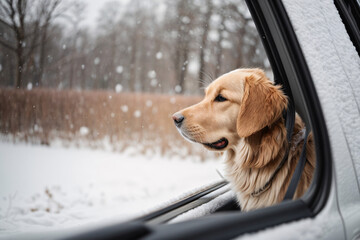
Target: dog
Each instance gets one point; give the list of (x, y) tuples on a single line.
[(242, 116)]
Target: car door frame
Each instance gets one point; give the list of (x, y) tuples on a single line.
[(290, 70)]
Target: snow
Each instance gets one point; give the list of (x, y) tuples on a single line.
[(185, 20), (118, 88), (153, 82), (119, 69), (84, 131), (124, 108), (148, 103), (335, 67), (336, 72), (53, 188), (152, 74), (137, 114), (178, 88), (29, 86), (159, 55), (96, 61)]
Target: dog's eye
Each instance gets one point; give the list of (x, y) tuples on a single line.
[(220, 98)]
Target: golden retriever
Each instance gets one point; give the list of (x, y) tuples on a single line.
[(241, 114)]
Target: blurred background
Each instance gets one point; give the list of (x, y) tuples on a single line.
[(92, 70), (107, 76)]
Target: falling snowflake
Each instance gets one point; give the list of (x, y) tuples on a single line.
[(118, 88), (137, 113), (84, 131), (119, 69), (148, 103), (29, 86), (152, 74), (153, 82), (124, 108), (173, 100), (96, 61), (178, 88), (185, 20), (159, 55), (82, 66)]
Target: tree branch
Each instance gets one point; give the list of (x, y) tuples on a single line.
[(5, 23), (8, 46)]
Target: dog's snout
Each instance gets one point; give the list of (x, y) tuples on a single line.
[(178, 119)]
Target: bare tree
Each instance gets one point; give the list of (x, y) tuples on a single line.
[(183, 23), (47, 11), (204, 39), (75, 15), (15, 12), (219, 48), (132, 46), (26, 21)]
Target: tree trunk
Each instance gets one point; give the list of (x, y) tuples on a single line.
[(219, 49), (42, 57), (132, 83), (20, 60), (205, 26), (183, 69)]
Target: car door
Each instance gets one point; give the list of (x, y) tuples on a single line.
[(312, 56)]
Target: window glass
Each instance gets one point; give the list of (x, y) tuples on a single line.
[(87, 90)]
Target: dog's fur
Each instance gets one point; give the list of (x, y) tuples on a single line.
[(251, 120)]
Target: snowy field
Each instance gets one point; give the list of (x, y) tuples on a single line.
[(46, 189)]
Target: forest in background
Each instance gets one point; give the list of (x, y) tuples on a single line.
[(161, 46), (115, 84)]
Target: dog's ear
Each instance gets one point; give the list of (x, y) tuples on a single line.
[(262, 104)]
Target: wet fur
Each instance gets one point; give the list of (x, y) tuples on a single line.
[(252, 122)]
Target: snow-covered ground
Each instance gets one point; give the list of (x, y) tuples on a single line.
[(54, 188)]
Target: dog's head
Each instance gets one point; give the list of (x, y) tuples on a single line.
[(236, 105)]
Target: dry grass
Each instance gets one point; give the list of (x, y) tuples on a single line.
[(124, 119)]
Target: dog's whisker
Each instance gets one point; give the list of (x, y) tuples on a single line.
[(206, 82)]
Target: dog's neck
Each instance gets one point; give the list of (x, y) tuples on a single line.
[(264, 148), (255, 159)]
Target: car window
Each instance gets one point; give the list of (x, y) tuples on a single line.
[(87, 90)]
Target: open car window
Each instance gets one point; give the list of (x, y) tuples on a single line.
[(87, 93)]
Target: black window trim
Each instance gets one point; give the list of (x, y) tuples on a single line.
[(349, 11), (290, 69)]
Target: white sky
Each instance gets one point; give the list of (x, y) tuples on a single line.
[(93, 8)]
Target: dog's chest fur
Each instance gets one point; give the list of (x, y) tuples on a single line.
[(245, 181), (253, 161)]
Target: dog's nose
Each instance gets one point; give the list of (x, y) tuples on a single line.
[(178, 119)]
